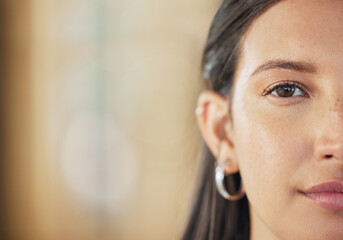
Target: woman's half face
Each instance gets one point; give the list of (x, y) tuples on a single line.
[(288, 120)]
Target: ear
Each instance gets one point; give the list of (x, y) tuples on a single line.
[(215, 124)]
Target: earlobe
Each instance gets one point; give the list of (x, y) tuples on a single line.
[(227, 155), (213, 120)]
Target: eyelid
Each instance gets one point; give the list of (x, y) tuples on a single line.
[(271, 87)]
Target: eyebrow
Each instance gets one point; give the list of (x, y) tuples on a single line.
[(303, 67)]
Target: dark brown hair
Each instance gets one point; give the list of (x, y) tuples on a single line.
[(213, 217)]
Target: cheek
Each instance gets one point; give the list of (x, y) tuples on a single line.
[(271, 146)]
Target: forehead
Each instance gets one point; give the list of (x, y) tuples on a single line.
[(299, 30)]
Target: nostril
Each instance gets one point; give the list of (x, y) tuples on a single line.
[(329, 147)]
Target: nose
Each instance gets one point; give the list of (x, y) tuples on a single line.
[(329, 149), (329, 142)]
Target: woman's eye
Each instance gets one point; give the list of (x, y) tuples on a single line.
[(286, 90)]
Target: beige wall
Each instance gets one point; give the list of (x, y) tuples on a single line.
[(109, 141)]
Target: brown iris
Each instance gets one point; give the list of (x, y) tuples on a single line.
[(285, 91)]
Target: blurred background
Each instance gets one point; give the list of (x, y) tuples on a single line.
[(98, 138)]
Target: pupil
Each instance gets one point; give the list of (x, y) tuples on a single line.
[(286, 91)]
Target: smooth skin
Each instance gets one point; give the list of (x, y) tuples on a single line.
[(285, 131)]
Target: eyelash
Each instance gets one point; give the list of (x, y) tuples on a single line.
[(270, 89)]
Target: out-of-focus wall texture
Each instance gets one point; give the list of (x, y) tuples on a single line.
[(98, 134)]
